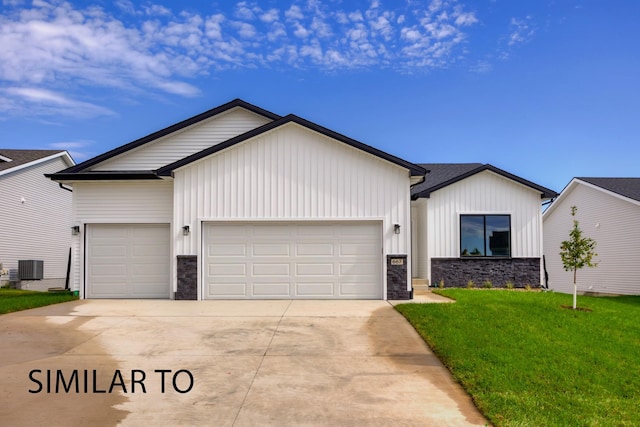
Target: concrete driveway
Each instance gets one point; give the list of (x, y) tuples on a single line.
[(223, 363)]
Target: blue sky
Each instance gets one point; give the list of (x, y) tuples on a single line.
[(547, 90)]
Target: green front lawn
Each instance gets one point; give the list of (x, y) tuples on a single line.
[(526, 361), (16, 300)]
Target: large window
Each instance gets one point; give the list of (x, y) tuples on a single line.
[(485, 235)]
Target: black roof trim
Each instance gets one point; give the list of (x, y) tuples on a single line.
[(101, 175), (171, 129), (167, 170), (545, 192)]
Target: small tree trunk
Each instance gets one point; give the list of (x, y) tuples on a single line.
[(575, 289)]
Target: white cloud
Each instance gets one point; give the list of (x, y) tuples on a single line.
[(270, 16), (520, 31), (294, 12), (300, 31), (56, 46), (45, 102), (244, 12), (466, 19), (75, 148), (246, 31)]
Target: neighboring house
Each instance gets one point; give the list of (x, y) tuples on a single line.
[(476, 222), (35, 215), (240, 203), (609, 213)]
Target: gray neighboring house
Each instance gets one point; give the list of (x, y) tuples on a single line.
[(609, 213), (35, 216), (474, 221)]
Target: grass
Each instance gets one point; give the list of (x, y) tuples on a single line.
[(16, 300), (526, 361)]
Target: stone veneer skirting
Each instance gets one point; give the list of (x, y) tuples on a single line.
[(456, 272), (397, 277), (187, 272)]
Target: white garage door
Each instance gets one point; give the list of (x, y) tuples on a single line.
[(128, 261), (312, 260)]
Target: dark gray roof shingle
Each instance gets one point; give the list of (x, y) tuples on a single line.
[(627, 187), (444, 174), (21, 157)]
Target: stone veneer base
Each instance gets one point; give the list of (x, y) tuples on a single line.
[(456, 272), (397, 278), (187, 272)]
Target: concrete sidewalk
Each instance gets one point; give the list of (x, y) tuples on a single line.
[(252, 363)]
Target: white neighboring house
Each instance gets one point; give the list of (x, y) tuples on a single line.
[(241, 203), (474, 221), (609, 213), (35, 215)]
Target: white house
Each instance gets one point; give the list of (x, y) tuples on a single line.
[(35, 216), (473, 221), (608, 212), (239, 202)]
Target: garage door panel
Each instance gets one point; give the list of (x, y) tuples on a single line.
[(227, 289), (358, 269), (315, 269), (358, 249), (270, 270), (271, 249), (315, 289), (128, 261), (281, 289), (293, 260), (229, 250), (314, 249), (239, 270), (271, 230), (356, 289)]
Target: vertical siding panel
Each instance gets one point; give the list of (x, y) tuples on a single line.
[(188, 141)]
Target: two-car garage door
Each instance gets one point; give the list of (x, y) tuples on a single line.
[(313, 260)]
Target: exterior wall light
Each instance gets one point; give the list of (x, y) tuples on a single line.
[(75, 230), (396, 228), (185, 230)]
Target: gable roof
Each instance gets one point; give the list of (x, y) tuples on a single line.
[(415, 170), (79, 172), (169, 130), (627, 187), (444, 174), (14, 159)]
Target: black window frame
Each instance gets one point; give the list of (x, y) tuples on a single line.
[(484, 234)]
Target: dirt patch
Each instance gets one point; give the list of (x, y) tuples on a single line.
[(570, 307)]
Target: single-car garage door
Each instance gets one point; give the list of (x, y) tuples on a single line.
[(128, 261), (304, 260)]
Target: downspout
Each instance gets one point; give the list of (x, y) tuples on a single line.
[(65, 188), (66, 282)]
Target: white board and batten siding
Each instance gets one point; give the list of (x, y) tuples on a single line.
[(483, 193), (36, 219), (185, 142), (613, 222), (123, 205), (293, 174)]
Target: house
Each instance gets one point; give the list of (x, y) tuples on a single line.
[(35, 217), (474, 221), (608, 212), (241, 203)]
